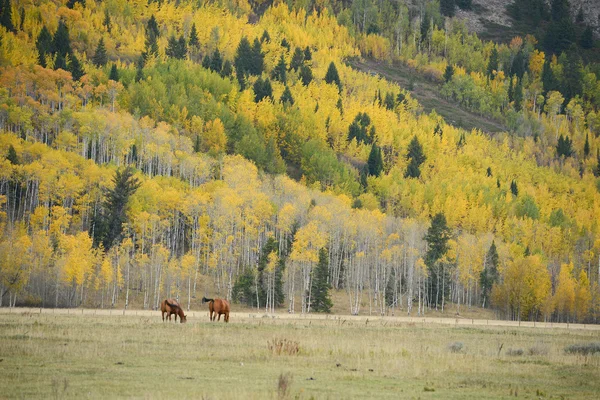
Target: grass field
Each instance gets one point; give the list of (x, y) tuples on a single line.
[(75, 355)]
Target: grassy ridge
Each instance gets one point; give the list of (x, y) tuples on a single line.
[(73, 356)]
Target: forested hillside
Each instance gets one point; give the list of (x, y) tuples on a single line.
[(177, 149)]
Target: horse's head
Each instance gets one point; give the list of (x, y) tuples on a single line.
[(183, 318), (204, 300)]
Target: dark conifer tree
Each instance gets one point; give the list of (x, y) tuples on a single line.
[(12, 156), (100, 57), (139, 72), (587, 38), (107, 24), (492, 63), (297, 59), (182, 50), (108, 225), (227, 69), (307, 54), (416, 157), (306, 75), (243, 56), (488, 172), (171, 50), (437, 238), (586, 146), (513, 188), (114, 73), (489, 275), (61, 44), (375, 161), (320, 300), (548, 80), (447, 7), (518, 95), (206, 62), (286, 97), (596, 170), (332, 76), (265, 38), (389, 101), (256, 66), (43, 45), (285, 44), (262, 89), (216, 61), (6, 15), (279, 72), (448, 73), (75, 67), (572, 84), (194, 42)]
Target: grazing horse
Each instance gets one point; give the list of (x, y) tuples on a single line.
[(171, 306), (217, 306)]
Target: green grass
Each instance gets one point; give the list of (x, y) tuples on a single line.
[(75, 356)]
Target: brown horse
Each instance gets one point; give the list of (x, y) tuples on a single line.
[(218, 307), (171, 306)]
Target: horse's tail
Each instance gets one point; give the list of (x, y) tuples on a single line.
[(205, 300)]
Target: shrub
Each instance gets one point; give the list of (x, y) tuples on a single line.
[(514, 352), (583, 348), (456, 347), (285, 346)]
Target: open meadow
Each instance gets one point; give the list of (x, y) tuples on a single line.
[(94, 354)]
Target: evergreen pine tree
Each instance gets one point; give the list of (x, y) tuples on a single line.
[(319, 293), (257, 59), (114, 73), (279, 72), (447, 8), (206, 62), (464, 4), (448, 73), (193, 41), (425, 27), (139, 72), (227, 69), (514, 189), (286, 97), (389, 101), (492, 63), (332, 76), (548, 81), (61, 44), (182, 50), (11, 156), (6, 16), (307, 54), (262, 88), (297, 59), (511, 90), (171, 50), (151, 41), (587, 38), (572, 84), (216, 61), (197, 145), (60, 62), (518, 95), (75, 67), (107, 24), (416, 156), (586, 146), (437, 238), (43, 45), (518, 66), (108, 226), (489, 275), (596, 170), (306, 75), (488, 172), (375, 161), (243, 55), (285, 44), (462, 140), (100, 57), (265, 37)]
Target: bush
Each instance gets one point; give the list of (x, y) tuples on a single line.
[(583, 348), (285, 346), (514, 352), (538, 350), (456, 347)]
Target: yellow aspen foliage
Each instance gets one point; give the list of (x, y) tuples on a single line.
[(564, 297), (583, 297)]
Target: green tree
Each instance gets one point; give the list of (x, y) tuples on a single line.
[(100, 57), (243, 290), (107, 24), (549, 82), (564, 147), (492, 63), (193, 40), (227, 69), (262, 89), (389, 102), (448, 73), (332, 76), (572, 84), (12, 156), (75, 67), (216, 61), (243, 55), (306, 75), (489, 274), (6, 15), (307, 54), (518, 95), (375, 161), (43, 44), (416, 157), (596, 170), (587, 38), (586, 146), (107, 226), (114, 73), (61, 44), (437, 238), (447, 7), (513, 188), (279, 72), (286, 97), (257, 60), (265, 37), (297, 59), (320, 300), (151, 40)]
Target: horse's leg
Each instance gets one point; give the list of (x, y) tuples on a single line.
[(163, 316), (219, 320)]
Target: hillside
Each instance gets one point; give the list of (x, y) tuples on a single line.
[(176, 149)]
